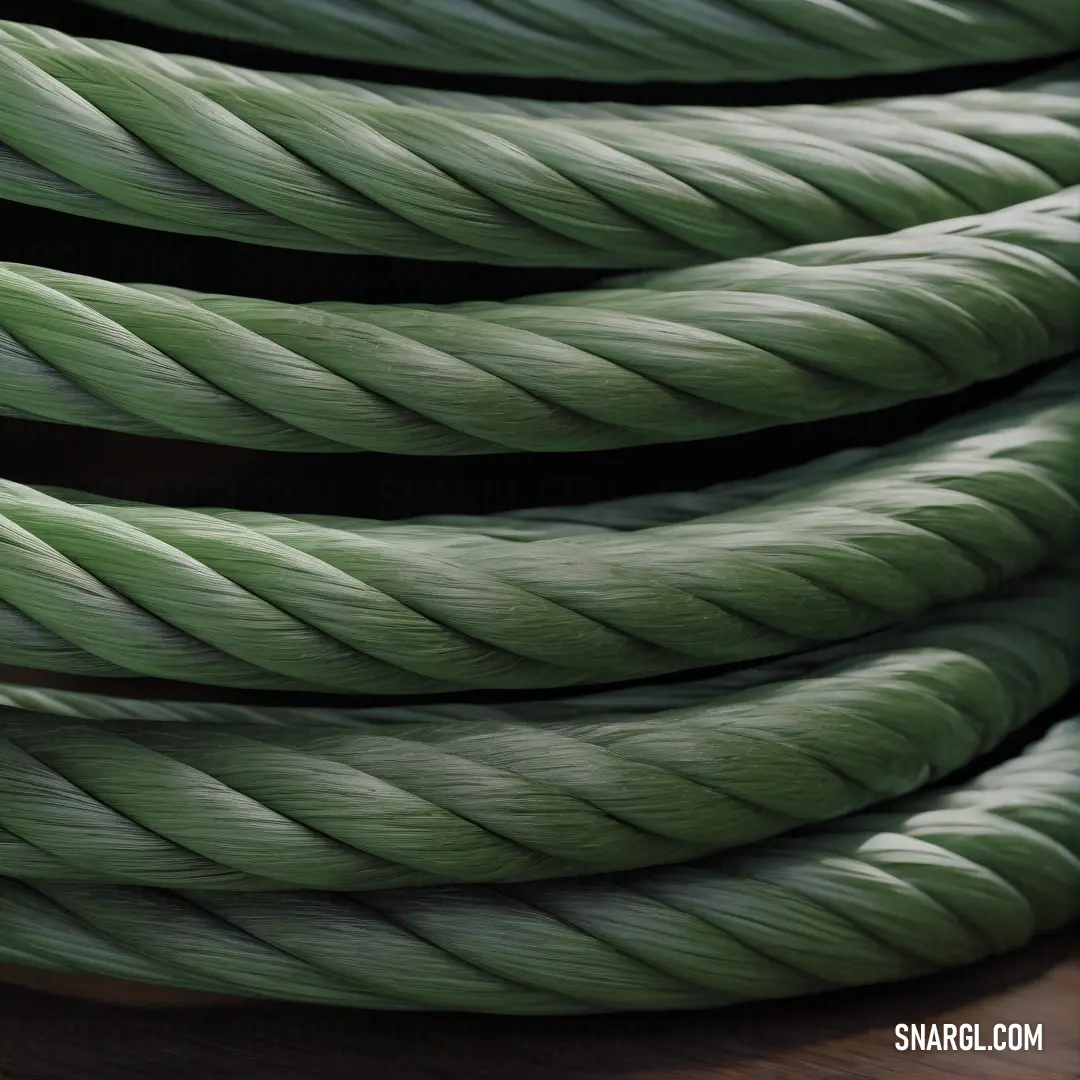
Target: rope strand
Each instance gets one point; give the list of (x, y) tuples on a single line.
[(370, 799), (1041, 93), (106, 588), (845, 327), (83, 131), (635, 40), (945, 880)]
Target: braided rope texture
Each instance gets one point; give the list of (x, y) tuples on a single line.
[(638, 40), (115, 136), (278, 603), (237, 849), (368, 799), (844, 327), (1044, 90), (938, 880)]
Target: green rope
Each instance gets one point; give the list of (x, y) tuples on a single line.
[(1042, 97), (446, 531), (106, 802), (372, 799), (638, 40), (119, 138), (844, 327), (103, 588), (939, 880)]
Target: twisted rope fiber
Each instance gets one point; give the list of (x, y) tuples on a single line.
[(447, 531), (843, 327), (638, 40), (118, 138), (203, 74), (938, 880), (623, 514), (370, 799), (108, 588), (56, 741), (548, 522)]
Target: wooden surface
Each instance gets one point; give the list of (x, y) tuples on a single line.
[(833, 1037)]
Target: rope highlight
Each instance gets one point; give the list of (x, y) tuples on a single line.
[(234, 798), (108, 588), (635, 40), (938, 880), (809, 333), (120, 138)]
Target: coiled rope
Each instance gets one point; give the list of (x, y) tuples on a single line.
[(937, 880), (120, 139), (248, 850), (815, 332), (107, 589), (233, 798), (1042, 92), (638, 40)]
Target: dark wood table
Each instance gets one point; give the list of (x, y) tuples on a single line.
[(87, 1029)]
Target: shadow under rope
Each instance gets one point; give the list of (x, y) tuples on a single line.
[(379, 485), (49, 1038), (126, 254), (391, 486), (383, 486)]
